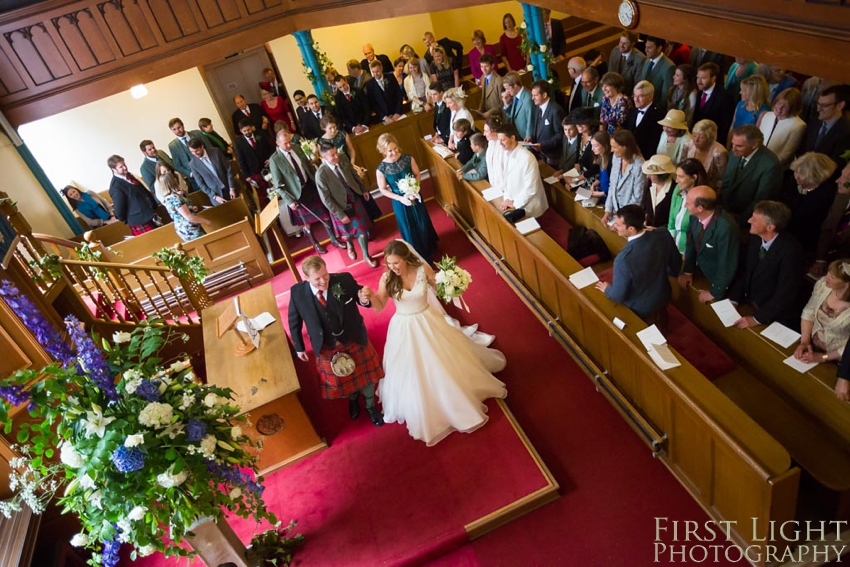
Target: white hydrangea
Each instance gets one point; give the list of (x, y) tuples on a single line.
[(235, 432), (125, 529), (208, 444), (132, 379), (145, 550), (137, 513), (235, 493), (119, 337), (156, 415), (80, 540), (187, 401), (211, 400), (169, 480), (70, 456), (134, 440)]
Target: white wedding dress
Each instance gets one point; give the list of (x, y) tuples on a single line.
[(435, 375)]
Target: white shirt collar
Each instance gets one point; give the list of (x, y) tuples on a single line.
[(766, 244), (315, 291), (709, 91), (543, 106), (153, 159), (657, 59), (636, 236)]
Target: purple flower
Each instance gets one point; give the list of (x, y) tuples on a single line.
[(44, 332), (234, 476), (195, 429), (148, 390), (91, 358), (14, 394), (128, 459), (111, 549)]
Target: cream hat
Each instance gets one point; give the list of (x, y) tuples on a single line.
[(675, 119), (659, 164)]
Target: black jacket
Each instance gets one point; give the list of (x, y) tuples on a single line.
[(719, 108), (304, 309), (256, 117), (648, 133), (353, 112), (252, 159), (385, 101), (442, 116), (132, 203)]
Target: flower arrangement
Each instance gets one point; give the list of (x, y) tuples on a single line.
[(310, 149), (452, 282), (140, 459), (185, 266), (409, 187)]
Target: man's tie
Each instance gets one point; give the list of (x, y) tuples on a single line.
[(185, 140), (294, 161), (321, 297), (588, 100), (821, 134), (247, 112), (762, 252), (341, 178), (487, 81), (347, 97), (622, 62), (253, 143), (703, 98), (651, 67), (318, 116), (743, 164), (132, 180)]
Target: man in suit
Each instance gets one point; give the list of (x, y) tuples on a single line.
[(252, 153), (295, 177), (476, 168), (352, 106), (753, 174), (521, 109), (148, 167), (575, 67), (642, 119), (132, 203), (212, 172), (830, 133), (311, 121), (358, 75), (491, 87), (327, 305), (713, 102), (642, 266), (369, 56), (442, 114), (179, 149), (253, 112), (384, 95), (658, 69), (301, 109), (554, 35), (569, 150), (452, 48), (215, 139), (340, 189), (769, 276), (592, 94), (626, 60), (712, 244), (271, 83), (523, 187), (547, 134)]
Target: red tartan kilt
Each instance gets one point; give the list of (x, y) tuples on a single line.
[(368, 370)]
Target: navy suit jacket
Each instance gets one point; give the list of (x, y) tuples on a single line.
[(385, 101), (640, 272), (719, 108), (305, 309), (547, 131), (442, 117), (648, 132)]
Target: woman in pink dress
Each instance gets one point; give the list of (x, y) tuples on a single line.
[(479, 48), (277, 109), (512, 55)]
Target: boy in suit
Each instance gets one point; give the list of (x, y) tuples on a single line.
[(476, 168), (461, 129), (327, 304), (491, 87), (206, 126), (442, 114)]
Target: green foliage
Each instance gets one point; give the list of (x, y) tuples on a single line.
[(275, 547), (47, 264), (185, 266)]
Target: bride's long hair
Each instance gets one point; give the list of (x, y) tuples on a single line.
[(395, 286)]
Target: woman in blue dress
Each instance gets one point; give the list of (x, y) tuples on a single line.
[(414, 224)]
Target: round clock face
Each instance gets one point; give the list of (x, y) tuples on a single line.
[(627, 14)]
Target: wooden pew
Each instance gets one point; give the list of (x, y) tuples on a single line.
[(730, 465)]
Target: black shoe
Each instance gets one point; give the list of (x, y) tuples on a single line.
[(354, 407), (339, 244), (375, 415)]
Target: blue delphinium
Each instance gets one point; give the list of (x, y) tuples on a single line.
[(111, 549), (148, 390), (44, 332), (91, 358), (15, 394), (128, 459), (195, 430)]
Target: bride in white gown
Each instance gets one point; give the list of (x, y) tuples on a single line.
[(436, 375)]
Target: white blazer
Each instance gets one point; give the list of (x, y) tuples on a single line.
[(496, 164), (410, 89), (522, 182), (782, 137)]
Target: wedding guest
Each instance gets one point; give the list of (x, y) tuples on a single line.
[(825, 322), (705, 148), (476, 168), (782, 127), (615, 106), (341, 140), (521, 107), (512, 56), (414, 224), (546, 130), (416, 86), (399, 66), (712, 244), (132, 203), (569, 147), (809, 193), (592, 92), (657, 197), (252, 111), (179, 146), (600, 145), (443, 70), (713, 102), (300, 98), (452, 50), (212, 172), (658, 69), (777, 79), (442, 115), (491, 87), (409, 53), (689, 173), (627, 178), (92, 209), (163, 169), (207, 129), (769, 276), (369, 57), (830, 133), (586, 123), (523, 187), (352, 106), (753, 104), (454, 101), (187, 224), (575, 67), (276, 108), (507, 104), (479, 48), (152, 155), (626, 61), (811, 90), (252, 153), (740, 70), (641, 269), (674, 135), (683, 94), (642, 119), (358, 75), (384, 95), (495, 152), (461, 134), (753, 174)]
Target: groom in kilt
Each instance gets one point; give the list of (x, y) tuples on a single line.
[(327, 304)]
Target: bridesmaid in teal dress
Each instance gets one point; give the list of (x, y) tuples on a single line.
[(414, 224)]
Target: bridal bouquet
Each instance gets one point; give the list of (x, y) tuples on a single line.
[(409, 187), (310, 149), (452, 282), (140, 458)]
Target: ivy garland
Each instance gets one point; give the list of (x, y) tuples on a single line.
[(191, 267)]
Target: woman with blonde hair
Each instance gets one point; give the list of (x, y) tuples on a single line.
[(809, 193), (414, 224), (417, 85), (454, 101), (705, 148), (442, 69), (187, 224), (782, 127), (754, 103)]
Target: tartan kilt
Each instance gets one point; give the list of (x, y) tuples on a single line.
[(138, 229), (310, 199), (359, 225), (368, 370)]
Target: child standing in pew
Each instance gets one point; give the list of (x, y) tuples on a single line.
[(476, 168), (462, 128)]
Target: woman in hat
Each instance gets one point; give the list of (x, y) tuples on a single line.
[(674, 135), (659, 170)]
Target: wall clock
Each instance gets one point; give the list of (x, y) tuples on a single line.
[(628, 14)]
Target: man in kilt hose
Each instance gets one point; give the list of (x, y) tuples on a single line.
[(327, 304)]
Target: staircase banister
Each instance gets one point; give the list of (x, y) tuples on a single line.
[(57, 240), (113, 265)]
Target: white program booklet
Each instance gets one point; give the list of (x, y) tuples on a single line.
[(781, 335), (259, 322), (726, 312), (528, 225), (444, 151), (583, 194), (799, 365), (651, 336), (492, 193), (551, 180), (584, 278), (571, 173), (663, 357)]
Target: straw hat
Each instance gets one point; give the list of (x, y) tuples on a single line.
[(659, 164), (675, 119), (584, 115)]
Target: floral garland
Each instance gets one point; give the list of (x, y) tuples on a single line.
[(322, 59), (530, 47), (182, 264)]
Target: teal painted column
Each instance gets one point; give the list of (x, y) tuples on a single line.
[(304, 39), (536, 31)]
